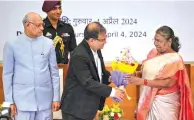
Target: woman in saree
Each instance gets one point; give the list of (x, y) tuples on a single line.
[(166, 92)]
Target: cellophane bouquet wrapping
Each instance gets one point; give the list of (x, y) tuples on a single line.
[(123, 65)]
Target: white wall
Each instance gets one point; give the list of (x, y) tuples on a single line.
[(149, 14)]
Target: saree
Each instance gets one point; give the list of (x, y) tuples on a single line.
[(172, 103)]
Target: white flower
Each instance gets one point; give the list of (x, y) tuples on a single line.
[(112, 114), (119, 114), (105, 117), (125, 56)]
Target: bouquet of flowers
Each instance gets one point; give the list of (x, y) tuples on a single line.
[(123, 65), (113, 112)]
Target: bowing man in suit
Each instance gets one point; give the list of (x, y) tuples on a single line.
[(87, 78)]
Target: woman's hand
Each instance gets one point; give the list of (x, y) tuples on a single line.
[(134, 80), (156, 83)]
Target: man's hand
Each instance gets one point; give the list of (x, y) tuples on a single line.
[(13, 109), (119, 94), (55, 106), (110, 79), (98, 113)]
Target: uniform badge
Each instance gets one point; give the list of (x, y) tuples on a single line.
[(65, 35), (49, 35)]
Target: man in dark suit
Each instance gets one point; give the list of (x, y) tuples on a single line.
[(87, 78)]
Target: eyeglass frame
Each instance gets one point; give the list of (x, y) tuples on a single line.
[(100, 40), (38, 26), (159, 42)]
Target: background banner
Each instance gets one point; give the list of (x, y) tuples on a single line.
[(129, 23)]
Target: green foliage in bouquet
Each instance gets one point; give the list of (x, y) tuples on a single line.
[(1, 105), (113, 112)]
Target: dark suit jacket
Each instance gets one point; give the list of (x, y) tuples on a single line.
[(83, 91)]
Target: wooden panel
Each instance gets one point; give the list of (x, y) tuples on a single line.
[(133, 91), (188, 67)]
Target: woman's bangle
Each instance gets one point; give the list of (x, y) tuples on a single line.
[(145, 82)]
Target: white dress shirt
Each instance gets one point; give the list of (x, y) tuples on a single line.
[(99, 68)]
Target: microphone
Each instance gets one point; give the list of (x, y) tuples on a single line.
[(5, 112)]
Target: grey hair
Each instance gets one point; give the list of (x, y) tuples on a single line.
[(25, 19)]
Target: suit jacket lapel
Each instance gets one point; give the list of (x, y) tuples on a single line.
[(101, 60), (91, 56)]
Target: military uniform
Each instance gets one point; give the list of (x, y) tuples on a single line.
[(65, 33)]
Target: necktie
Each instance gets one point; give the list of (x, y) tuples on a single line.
[(98, 66)]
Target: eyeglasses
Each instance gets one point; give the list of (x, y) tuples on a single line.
[(37, 25), (102, 40), (157, 41)]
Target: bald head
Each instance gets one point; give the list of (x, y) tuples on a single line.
[(33, 24), (93, 29), (31, 17), (93, 26)]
